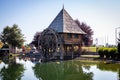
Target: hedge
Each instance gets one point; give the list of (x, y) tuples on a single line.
[(108, 53)]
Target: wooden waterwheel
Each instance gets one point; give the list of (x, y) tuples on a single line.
[(49, 43)]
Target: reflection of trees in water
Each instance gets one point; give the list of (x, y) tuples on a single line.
[(119, 74), (67, 70), (13, 71), (110, 67), (87, 67)]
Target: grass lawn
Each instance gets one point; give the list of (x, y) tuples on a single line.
[(89, 49)]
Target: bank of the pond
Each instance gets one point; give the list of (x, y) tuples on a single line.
[(95, 58), (87, 58)]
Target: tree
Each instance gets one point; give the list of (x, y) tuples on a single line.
[(36, 39), (12, 36), (87, 38), (118, 56)]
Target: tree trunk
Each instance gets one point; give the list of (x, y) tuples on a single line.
[(12, 49)]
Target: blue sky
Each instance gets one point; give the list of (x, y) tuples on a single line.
[(35, 15)]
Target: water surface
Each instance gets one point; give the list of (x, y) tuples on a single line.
[(32, 69)]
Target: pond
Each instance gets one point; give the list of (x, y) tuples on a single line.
[(32, 69)]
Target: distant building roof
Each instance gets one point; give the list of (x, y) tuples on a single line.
[(64, 23)]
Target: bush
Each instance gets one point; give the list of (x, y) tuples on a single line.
[(118, 54), (100, 52), (113, 52), (106, 52)]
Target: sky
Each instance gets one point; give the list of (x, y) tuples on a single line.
[(103, 16)]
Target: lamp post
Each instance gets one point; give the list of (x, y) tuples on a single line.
[(116, 31)]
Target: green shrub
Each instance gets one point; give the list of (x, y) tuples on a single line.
[(106, 52), (113, 52), (100, 52), (118, 54)]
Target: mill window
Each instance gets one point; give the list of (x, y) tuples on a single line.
[(76, 36), (69, 35)]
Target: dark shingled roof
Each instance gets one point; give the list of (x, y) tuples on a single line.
[(65, 24)]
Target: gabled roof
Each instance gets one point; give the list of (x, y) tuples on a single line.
[(65, 24)]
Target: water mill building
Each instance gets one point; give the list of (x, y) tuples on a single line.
[(62, 38)]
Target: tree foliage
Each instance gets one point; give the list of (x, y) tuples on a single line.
[(36, 39), (12, 36), (87, 38), (118, 48)]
